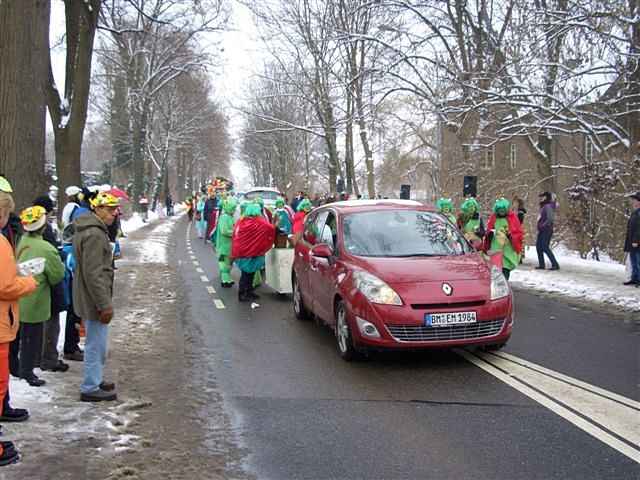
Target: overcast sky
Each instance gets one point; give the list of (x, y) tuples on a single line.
[(241, 57)]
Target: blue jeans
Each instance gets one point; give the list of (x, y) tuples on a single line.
[(543, 246), (634, 256), (95, 354)]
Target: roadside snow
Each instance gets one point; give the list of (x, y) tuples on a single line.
[(578, 278), (55, 407)]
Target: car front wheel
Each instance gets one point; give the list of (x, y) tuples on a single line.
[(344, 338), (298, 304)]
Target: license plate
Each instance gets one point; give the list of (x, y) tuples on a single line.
[(444, 319)]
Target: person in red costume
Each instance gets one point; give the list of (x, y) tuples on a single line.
[(505, 235), (304, 207), (253, 237)]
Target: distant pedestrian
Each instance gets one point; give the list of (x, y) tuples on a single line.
[(168, 203), (296, 200), (632, 240), (518, 206), (445, 207), (224, 234), (72, 204), (201, 222), (546, 221), (92, 293), (470, 223), (143, 204)]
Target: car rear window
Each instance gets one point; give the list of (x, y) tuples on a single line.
[(265, 194), (402, 233)]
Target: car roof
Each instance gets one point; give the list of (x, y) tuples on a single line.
[(262, 189), (353, 206)]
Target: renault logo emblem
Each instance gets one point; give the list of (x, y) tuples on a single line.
[(447, 289)]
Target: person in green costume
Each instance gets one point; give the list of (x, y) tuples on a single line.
[(224, 232), (282, 219), (470, 223), (445, 207), (504, 234)]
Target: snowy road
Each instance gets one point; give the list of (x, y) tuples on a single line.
[(563, 403)]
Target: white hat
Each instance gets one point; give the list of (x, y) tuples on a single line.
[(94, 188), (104, 188), (72, 191)]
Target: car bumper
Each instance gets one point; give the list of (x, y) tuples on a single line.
[(402, 327)]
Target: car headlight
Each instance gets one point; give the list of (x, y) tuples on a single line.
[(499, 284), (375, 289)]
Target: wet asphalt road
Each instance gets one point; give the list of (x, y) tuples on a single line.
[(302, 412)]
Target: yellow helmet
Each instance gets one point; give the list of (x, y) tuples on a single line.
[(104, 199), (33, 218)]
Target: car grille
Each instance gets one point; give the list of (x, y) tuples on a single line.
[(422, 333), (431, 306)]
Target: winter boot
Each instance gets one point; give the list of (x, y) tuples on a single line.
[(14, 415), (9, 454), (98, 396)]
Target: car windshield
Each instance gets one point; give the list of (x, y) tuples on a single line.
[(402, 233), (265, 194)]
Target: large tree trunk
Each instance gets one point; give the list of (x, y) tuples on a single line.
[(69, 114), (24, 40)]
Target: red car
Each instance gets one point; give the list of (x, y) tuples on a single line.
[(397, 274)]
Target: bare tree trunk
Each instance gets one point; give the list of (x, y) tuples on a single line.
[(348, 141), (69, 114), (24, 40)]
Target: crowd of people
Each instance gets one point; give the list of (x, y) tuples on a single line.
[(47, 270)]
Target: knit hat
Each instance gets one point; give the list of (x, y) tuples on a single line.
[(45, 202), (72, 191)]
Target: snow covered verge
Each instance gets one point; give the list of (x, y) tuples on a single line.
[(133, 437), (580, 279)]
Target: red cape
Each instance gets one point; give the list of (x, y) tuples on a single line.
[(515, 230), (298, 222), (252, 237)]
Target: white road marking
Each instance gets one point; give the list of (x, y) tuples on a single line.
[(219, 304), (211, 290), (196, 263), (572, 381), (204, 278), (199, 270), (564, 398)]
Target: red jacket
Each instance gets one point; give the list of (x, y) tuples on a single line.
[(516, 233)]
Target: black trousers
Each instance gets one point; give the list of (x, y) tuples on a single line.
[(71, 333), (14, 359), (30, 347), (246, 283), (51, 333)]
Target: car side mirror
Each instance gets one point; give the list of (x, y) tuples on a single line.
[(322, 251)]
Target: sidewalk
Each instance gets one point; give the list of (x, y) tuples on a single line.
[(154, 429), (579, 279)]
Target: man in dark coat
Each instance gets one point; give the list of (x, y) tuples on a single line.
[(546, 220), (632, 240)]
